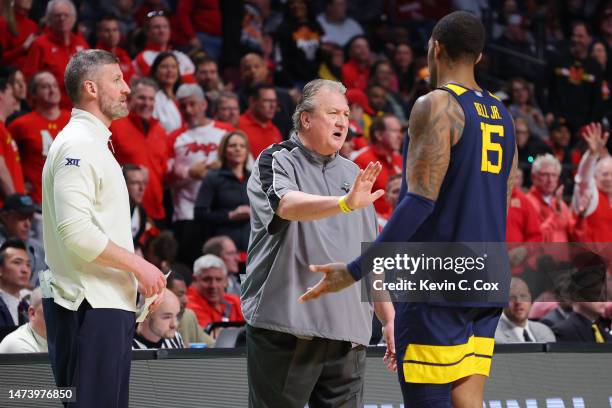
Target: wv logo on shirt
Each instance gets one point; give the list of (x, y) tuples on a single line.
[(73, 162), (346, 187)]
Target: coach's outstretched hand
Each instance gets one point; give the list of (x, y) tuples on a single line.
[(336, 277), (361, 194)]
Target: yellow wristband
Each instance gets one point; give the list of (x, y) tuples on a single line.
[(343, 206)]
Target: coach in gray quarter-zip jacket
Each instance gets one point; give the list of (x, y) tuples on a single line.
[(309, 205)]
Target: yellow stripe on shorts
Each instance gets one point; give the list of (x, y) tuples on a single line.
[(427, 364)]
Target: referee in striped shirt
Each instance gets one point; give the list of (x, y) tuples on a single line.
[(160, 328)]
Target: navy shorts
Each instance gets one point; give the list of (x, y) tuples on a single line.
[(437, 345)]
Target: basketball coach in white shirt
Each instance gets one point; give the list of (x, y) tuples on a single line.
[(93, 273)]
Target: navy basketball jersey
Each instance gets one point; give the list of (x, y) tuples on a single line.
[(471, 206)]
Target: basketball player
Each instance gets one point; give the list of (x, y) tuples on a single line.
[(460, 163)]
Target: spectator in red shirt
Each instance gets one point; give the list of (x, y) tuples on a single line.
[(228, 108), (34, 132), (20, 91), (386, 136), (11, 177), (109, 36), (522, 225), (206, 296), (593, 192), (256, 122), (157, 30), (52, 50), (356, 71), (199, 23), (556, 220), (17, 33), (140, 139)]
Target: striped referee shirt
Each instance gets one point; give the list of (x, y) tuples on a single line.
[(140, 343)]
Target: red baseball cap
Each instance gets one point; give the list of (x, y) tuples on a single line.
[(356, 95)]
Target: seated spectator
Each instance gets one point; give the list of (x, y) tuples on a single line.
[(332, 59), (557, 314), (377, 96), (198, 23), (405, 70), (141, 139), (593, 191), (254, 71), (160, 249), (559, 145), (207, 76), (165, 72), (18, 82), (256, 122), (11, 175), (356, 70), (53, 49), (15, 275), (556, 220), (576, 74), (382, 75), (299, 39), (136, 181), (394, 183), (228, 108), (193, 154), (17, 33), (16, 222), (223, 247), (157, 31), (206, 296), (514, 326), (386, 138), (159, 328), (528, 147), (522, 105), (30, 337), (587, 288), (109, 36), (338, 27), (35, 131), (222, 204), (148, 9), (188, 326), (518, 39), (361, 111)]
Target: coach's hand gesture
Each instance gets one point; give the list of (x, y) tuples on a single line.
[(361, 194), (336, 277)]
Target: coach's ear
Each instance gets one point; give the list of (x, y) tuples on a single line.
[(305, 119)]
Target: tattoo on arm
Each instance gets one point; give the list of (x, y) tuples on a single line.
[(436, 124)]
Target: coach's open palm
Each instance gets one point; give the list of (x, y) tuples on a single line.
[(335, 278), (361, 194)]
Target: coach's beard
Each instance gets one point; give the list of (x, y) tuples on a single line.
[(113, 109)]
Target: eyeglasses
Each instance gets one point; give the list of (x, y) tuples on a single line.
[(156, 13)]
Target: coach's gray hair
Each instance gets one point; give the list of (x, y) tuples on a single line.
[(207, 262), (53, 3), (83, 66), (307, 102), (543, 159)]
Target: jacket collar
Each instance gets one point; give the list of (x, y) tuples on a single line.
[(322, 160)]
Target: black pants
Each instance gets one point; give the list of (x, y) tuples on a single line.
[(91, 350), (287, 372)]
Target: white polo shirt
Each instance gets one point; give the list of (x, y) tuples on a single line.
[(85, 203)]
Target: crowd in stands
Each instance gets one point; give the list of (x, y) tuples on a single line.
[(214, 83)]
